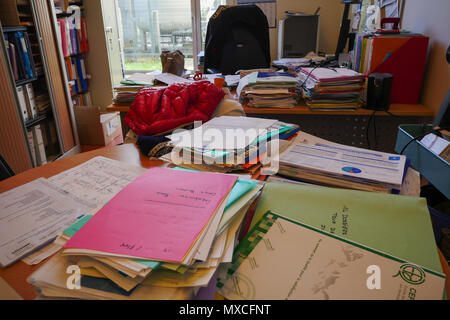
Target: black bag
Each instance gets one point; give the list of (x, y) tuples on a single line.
[(237, 38)]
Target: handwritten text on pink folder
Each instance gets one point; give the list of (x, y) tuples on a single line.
[(157, 216)]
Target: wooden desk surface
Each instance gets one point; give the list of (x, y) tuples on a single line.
[(16, 274), (396, 109), (118, 107)]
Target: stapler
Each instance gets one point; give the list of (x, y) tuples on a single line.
[(394, 29)]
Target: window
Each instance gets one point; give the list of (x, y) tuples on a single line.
[(150, 26)]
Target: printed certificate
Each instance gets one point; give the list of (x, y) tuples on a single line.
[(284, 259)]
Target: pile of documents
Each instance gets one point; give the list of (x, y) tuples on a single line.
[(295, 64), (162, 240), (268, 90), (125, 94), (319, 161), (229, 144), (331, 88), (336, 236)]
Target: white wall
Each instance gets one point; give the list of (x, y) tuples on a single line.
[(431, 18)]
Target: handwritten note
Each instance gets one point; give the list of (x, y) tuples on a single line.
[(158, 216), (339, 222), (97, 180)]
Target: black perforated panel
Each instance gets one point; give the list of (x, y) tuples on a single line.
[(351, 130)]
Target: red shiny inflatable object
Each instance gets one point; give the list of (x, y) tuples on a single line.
[(156, 110)]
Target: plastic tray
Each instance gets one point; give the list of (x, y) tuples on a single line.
[(428, 163)]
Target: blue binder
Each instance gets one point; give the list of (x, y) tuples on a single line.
[(26, 55), (19, 57), (82, 73), (75, 76)]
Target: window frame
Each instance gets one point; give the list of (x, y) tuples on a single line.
[(196, 34)]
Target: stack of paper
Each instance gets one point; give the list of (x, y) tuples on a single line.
[(146, 79), (331, 88), (161, 237), (226, 144), (268, 90), (125, 94), (323, 162), (291, 64)]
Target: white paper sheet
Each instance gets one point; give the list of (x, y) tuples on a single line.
[(205, 243), (434, 143), (34, 214), (42, 254), (169, 79), (97, 180), (411, 183), (223, 133)]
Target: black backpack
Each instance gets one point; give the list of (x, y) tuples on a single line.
[(237, 38)]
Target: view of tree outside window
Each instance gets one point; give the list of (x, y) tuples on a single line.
[(150, 26)]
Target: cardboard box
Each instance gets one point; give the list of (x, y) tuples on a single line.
[(97, 128)]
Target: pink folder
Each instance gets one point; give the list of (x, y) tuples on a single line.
[(158, 216)]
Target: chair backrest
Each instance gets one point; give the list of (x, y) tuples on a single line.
[(5, 169), (237, 38)]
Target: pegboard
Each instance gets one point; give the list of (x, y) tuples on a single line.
[(351, 130)]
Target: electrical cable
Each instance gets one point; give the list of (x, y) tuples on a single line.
[(368, 128), (375, 131)]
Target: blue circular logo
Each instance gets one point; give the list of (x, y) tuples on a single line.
[(395, 158), (351, 170)]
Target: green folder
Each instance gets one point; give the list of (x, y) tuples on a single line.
[(74, 228), (397, 225)]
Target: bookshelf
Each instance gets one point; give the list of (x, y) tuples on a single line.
[(38, 124), (73, 46)]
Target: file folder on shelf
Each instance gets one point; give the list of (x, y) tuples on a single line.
[(26, 53), (82, 73), (22, 102), (401, 55), (30, 101)]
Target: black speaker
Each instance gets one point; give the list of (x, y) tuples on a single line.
[(378, 91)]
